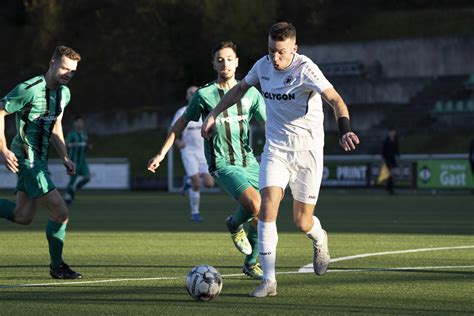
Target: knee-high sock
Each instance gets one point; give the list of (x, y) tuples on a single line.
[(82, 183), (194, 198), (72, 180), (267, 244), (240, 216), (252, 236), (6, 210), (316, 232), (55, 233)]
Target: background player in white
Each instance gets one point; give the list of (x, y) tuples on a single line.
[(292, 86), (191, 146)]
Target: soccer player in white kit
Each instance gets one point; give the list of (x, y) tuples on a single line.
[(292, 86), (191, 146)]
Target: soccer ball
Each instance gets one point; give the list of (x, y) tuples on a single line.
[(203, 283)]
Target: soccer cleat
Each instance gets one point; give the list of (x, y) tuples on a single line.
[(267, 288), (196, 218), (321, 255), (186, 186), (239, 237), (253, 270), (64, 272)]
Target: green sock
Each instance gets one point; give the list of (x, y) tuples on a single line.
[(55, 233), (82, 183), (252, 235), (72, 180), (6, 210), (240, 216)]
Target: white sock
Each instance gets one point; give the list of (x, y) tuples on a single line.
[(267, 244), (194, 197), (316, 232)]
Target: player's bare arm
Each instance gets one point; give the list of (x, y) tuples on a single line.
[(10, 160), (57, 138), (231, 97), (174, 133), (348, 139)]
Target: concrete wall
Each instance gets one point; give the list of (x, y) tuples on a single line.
[(417, 57)]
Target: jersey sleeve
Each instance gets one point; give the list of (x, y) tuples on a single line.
[(66, 97), (314, 79), (195, 108), (70, 138), (252, 77), (16, 99), (177, 115), (258, 109)]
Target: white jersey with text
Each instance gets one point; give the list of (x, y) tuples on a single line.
[(191, 135), (294, 109)]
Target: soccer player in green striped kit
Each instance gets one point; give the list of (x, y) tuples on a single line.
[(77, 144), (229, 157), (38, 105)]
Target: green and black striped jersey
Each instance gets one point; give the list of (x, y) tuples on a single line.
[(77, 146), (36, 108), (229, 144)]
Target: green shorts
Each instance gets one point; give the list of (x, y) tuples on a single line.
[(82, 169), (236, 179), (34, 179)]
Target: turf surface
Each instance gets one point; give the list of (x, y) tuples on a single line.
[(141, 245)]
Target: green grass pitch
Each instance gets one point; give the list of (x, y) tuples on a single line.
[(134, 249)]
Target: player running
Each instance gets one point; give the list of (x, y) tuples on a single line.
[(191, 146), (292, 86), (39, 105), (228, 154), (77, 144)]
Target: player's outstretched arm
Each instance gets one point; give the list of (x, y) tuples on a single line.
[(57, 138), (231, 97), (173, 134), (10, 160), (347, 139)]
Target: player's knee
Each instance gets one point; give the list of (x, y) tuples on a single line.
[(254, 207), (23, 220)]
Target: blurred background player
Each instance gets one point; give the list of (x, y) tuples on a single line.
[(390, 154), (229, 156), (293, 155), (39, 105), (191, 146), (77, 144)]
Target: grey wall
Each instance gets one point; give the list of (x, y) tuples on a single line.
[(417, 57)]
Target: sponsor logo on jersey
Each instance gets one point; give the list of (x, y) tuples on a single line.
[(312, 197), (279, 96), (289, 80), (229, 119), (44, 118), (265, 253), (265, 78)]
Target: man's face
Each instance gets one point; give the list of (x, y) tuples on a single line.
[(63, 69), (281, 52), (225, 63), (79, 124)]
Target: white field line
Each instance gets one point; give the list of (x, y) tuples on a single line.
[(306, 269), (309, 267)]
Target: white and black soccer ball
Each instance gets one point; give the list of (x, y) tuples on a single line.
[(203, 283)]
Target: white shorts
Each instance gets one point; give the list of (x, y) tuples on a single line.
[(194, 162), (301, 170)]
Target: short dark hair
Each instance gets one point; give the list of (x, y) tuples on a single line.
[(281, 31), (67, 52), (222, 45)]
